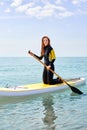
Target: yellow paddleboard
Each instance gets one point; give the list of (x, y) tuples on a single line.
[(38, 88)]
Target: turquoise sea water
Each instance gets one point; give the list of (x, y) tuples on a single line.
[(53, 111)]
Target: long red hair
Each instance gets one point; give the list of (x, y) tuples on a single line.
[(43, 46)]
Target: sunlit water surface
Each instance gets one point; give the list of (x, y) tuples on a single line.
[(54, 111)]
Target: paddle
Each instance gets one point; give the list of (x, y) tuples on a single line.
[(75, 90)]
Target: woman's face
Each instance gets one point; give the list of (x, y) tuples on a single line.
[(45, 41)]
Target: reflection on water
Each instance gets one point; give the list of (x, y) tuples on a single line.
[(49, 113)]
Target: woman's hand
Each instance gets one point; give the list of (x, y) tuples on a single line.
[(30, 53), (48, 67)]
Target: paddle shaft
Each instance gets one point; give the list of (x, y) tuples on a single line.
[(72, 87), (49, 68)]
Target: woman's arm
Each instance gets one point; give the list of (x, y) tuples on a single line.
[(39, 57)]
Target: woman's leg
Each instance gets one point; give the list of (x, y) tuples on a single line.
[(45, 75), (50, 79), (50, 76)]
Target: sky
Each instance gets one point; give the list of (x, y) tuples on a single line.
[(23, 23)]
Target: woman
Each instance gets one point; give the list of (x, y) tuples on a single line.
[(49, 57)]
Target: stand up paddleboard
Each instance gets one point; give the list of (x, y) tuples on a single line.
[(39, 88)]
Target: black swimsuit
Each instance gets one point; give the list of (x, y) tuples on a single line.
[(49, 58)]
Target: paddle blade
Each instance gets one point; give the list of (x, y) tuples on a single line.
[(75, 90)]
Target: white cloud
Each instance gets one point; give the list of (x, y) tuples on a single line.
[(16, 3), (33, 11), (23, 8), (81, 6), (7, 10), (40, 11), (83, 12), (65, 14), (58, 1), (48, 8), (76, 2), (1, 3)]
